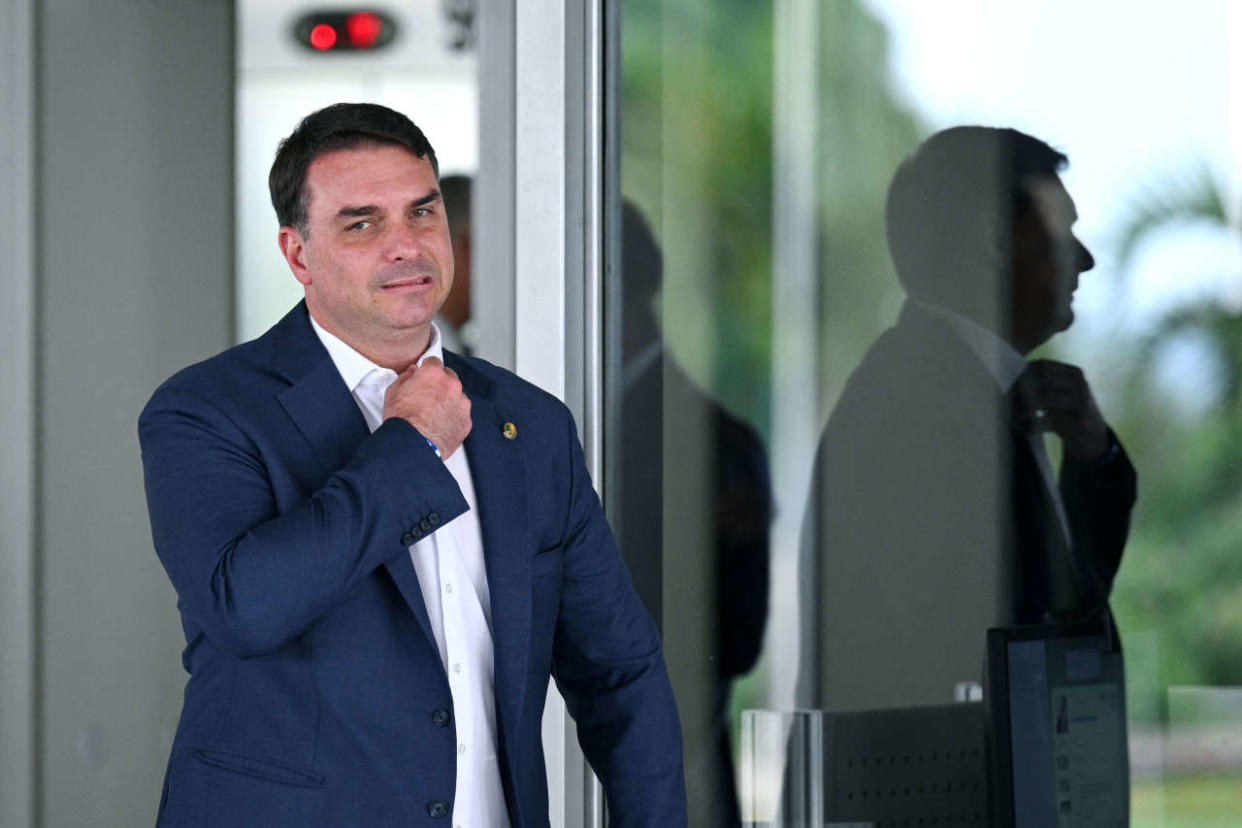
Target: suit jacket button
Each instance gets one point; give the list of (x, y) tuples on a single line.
[(407, 539), (434, 518), (437, 809), (425, 525), (441, 717), (415, 532)]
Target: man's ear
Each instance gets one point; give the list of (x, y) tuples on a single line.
[(293, 248)]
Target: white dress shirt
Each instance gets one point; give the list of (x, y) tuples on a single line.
[(453, 580)]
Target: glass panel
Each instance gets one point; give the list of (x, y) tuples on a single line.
[(877, 386), (770, 742)]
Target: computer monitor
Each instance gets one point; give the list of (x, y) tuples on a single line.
[(1057, 726)]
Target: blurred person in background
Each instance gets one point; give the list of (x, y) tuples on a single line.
[(458, 331)]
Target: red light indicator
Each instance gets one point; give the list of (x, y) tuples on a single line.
[(364, 29), (323, 37), (345, 30)]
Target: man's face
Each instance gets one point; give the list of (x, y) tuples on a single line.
[(376, 261), (1048, 258)]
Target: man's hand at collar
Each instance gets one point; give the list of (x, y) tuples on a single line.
[(1063, 404), (431, 399)]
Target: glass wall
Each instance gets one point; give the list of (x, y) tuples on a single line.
[(871, 395)]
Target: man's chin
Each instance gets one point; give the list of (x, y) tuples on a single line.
[(1055, 325), (1065, 318), (412, 311)]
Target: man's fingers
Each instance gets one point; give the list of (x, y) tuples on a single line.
[(430, 398), (1056, 383), (1060, 394), (430, 362)]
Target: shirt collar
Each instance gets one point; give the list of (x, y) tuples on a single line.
[(354, 367), (1002, 360)]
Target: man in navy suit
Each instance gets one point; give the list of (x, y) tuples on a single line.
[(381, 549)]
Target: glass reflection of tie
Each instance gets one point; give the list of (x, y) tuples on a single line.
[(1030, 418)]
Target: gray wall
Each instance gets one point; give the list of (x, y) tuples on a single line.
[(133, 277), (16, 413)]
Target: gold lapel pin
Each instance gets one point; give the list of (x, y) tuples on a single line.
[(509, 430)]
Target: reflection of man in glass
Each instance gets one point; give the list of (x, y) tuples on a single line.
[(937, 510), (664, 413)]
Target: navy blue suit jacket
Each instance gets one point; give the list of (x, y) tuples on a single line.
[(316, 693)]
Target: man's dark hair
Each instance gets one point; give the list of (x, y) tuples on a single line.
[(336, 127), (951, 207)]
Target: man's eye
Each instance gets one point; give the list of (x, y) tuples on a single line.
[(360, 225), (419, 212)]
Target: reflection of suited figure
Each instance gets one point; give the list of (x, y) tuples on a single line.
[(935, 511), (657, 396)]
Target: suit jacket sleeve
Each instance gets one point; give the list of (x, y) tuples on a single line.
[(1099, 497), (608, 665), (252, 576)]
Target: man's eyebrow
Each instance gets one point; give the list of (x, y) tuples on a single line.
[(371, 209), (353, 212), (432, 196)]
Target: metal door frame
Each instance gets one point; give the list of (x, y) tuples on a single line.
[(540, 254)]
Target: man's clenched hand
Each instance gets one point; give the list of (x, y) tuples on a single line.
[(1061, 393), (430, 398)]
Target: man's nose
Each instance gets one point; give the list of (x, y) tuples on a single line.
[(403, 244), (1085, 260)]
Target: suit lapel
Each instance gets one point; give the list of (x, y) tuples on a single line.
[(325, 412), (316, 400), (498, 470)]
